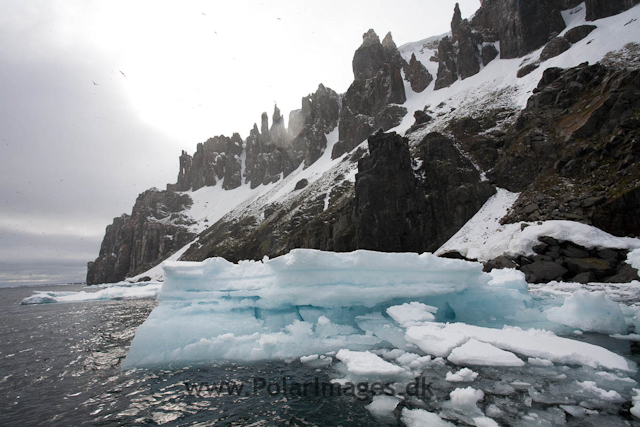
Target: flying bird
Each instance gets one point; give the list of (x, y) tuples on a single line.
[(123, 74), (94, 83)]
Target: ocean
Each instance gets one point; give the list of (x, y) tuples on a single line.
[(60, 366)]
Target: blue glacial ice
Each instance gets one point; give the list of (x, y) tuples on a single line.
[(311, 302)]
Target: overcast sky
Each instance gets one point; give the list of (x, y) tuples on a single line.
[(97, 98)]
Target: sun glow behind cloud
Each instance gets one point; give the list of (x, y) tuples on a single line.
[(198, 68)]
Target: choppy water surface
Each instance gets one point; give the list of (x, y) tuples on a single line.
[(60, 365)]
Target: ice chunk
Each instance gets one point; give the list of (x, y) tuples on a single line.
[(485, 422), (407, 358), (367, 364), (610, 396), (421, 418), (635, 399), (412, 313), (464, 400), (633, 258), (464, 375), (435, 339), (310, 358), (425, 361), (382, 407), (508, 278), (612, 377), (479, 353), (577, 411), (539, 362), (494, 411), (542, 344), (590, 311)]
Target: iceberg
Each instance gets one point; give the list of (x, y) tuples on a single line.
[(302, 303), (356, 304)]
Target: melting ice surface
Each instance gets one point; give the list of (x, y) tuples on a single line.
[(486, 347)]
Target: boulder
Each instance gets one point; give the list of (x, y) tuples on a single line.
[(554, 48), (578, 33), (489, 53), (584, 278), (574, 251), (600, 267), (301, 184), (499, 263), (543, 271), (625, 274), (527, 69)]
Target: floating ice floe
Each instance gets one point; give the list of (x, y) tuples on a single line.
[(111, 292), (420, 418), (476, 353), (464, 375)]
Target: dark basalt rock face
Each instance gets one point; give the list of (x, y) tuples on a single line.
[(597, 9), (378, 83), (394, 206), (574, 151), (269, 152), (399, 209), (522, 26), (417, 75), (216, 159), (468, 51), (132, 244), (621, 215), (447, 67), (308, 126)]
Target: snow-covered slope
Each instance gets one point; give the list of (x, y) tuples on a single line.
[(497, 84)]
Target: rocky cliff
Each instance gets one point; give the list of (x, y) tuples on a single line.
[(571, 152), (134, 243), (372, 101), (516, 28)]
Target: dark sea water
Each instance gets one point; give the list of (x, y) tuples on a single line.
[(60, 366)]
